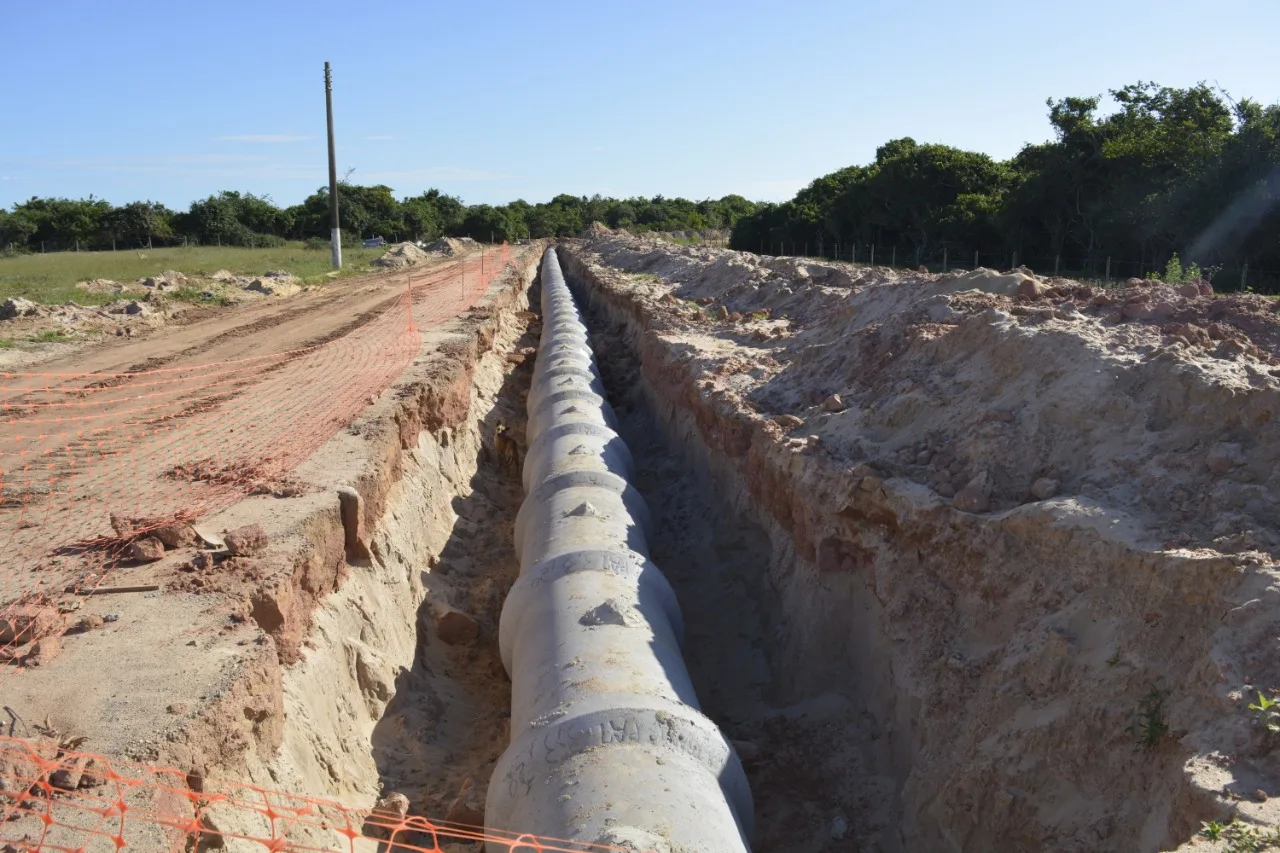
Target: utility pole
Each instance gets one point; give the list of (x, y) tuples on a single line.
[(335, 234)]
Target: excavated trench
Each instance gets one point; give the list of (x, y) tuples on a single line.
[(803, 728), (402, 691), (394, 696), (897, 676), (400, 697)]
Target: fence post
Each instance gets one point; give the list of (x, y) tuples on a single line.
[(1244, 277), (113, 244), (1108, 276), (1057, 259), (1013, 262), (975, 259), (853, 253), (77, 244), (944, 259), (42, 247), (806, 248), (873, 254)]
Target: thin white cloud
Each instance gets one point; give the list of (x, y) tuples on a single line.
[(268, 138)]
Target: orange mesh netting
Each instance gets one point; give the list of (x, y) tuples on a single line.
[(56, 799), (92, 463)]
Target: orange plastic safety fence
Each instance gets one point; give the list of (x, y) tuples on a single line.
[(63, 801), (92, 464)]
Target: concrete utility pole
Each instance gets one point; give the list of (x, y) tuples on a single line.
[(335, 234)]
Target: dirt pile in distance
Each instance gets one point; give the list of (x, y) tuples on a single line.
[(450, 246), (401, 255)]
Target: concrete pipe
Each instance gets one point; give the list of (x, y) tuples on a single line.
[(608, 744)]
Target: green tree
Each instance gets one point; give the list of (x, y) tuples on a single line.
[(139, 223), (484, 222)]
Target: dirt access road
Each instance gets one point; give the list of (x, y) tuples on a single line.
[(193, 417)]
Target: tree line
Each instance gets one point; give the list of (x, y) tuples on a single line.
[(1170, 172), (244, 219)]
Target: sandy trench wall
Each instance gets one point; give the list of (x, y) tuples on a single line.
[(1004, 658), (346, 628)]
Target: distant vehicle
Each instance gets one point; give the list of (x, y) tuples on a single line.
[(374, 243)]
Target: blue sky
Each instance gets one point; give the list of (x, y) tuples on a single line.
[(501, 100)]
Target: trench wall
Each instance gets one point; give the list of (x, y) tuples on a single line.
[(982, 647)]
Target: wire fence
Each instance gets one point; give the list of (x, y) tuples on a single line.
[(100, 470), (174, 443), (55, 799), (1102, 269)]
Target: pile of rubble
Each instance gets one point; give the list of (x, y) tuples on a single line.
[(402, 255)]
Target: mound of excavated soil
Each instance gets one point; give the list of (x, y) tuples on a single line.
[(103, 285), (450, 246), (1052, 504), (401, 255), (1131, 395)]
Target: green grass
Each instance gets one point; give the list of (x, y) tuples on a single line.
[(50, 336), (51, 278)]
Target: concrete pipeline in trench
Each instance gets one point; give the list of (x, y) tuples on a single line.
[(608, 744)]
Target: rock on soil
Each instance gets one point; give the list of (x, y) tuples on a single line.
[(146, 550), (456, 628), (22, 623), (21, 762), (44, 650), (16, 306), (1044, 488), (70, 776), (975, 496), (177, 535), (245, 541)]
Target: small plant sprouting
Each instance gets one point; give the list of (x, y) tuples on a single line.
[(1266, 712), (1175, 273), (1114, 659), (1149, 726), (1212, 830), (50, 336), (1240, 836)]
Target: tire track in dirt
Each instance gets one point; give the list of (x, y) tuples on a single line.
[(95, 432)]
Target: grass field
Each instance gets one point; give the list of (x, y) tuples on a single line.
[(51, 278)]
